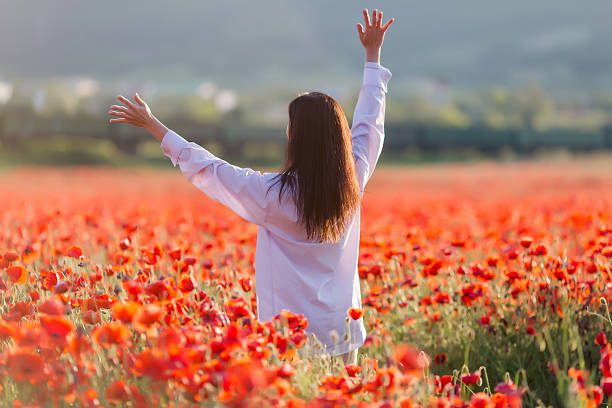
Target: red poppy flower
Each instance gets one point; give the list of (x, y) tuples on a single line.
[(25, 365), (74, 252), (117, 392), (246, 284), (125, 311), (62, 287), (11, 256), (470, 378), (605, 363), (442, 381), (158, 288), (355, 313), (526, 242), (7, 330), (539, 250), (606, 385), (595, 396), (352, 370), (17, 274), (111, 333), (146, 316), (440, 358), (52, 306), (175, 254), (237, 308), (190, 260), (58, 328), (484, 321), (481, 400), (601, 339), (186, 283), (285, 371), (410, 360)]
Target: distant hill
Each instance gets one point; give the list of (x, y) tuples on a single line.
[(470, 43)]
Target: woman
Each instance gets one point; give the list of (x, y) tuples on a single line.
[(308, 214)]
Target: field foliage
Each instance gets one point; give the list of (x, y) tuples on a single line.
[(483, 285)]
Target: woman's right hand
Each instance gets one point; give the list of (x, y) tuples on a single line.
[(372, 34)]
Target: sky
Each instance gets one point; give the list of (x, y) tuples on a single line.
[(278, 43)]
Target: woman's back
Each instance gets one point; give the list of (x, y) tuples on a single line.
[(318, 280)]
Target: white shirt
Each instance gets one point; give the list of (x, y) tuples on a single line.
[(318, 280)]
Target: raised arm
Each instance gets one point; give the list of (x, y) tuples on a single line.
[(241, 190), (368, 129)]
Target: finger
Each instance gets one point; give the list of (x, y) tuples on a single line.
[(379, 20), (360, 29), (117, 113), (366, 17), (374, 17), (384, 28), (126, 101), (118, 120), (119, 108), (138, 99)]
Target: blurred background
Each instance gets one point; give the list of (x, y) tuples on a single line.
[(471, 80)]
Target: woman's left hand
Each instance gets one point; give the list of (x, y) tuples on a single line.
[(137, 114)]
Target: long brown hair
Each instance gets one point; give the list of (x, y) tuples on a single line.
[(320, 170)]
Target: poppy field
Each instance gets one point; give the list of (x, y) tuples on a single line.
[(483, 285)]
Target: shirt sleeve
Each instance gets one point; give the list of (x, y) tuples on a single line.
[(368, 130), (242, 190)]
